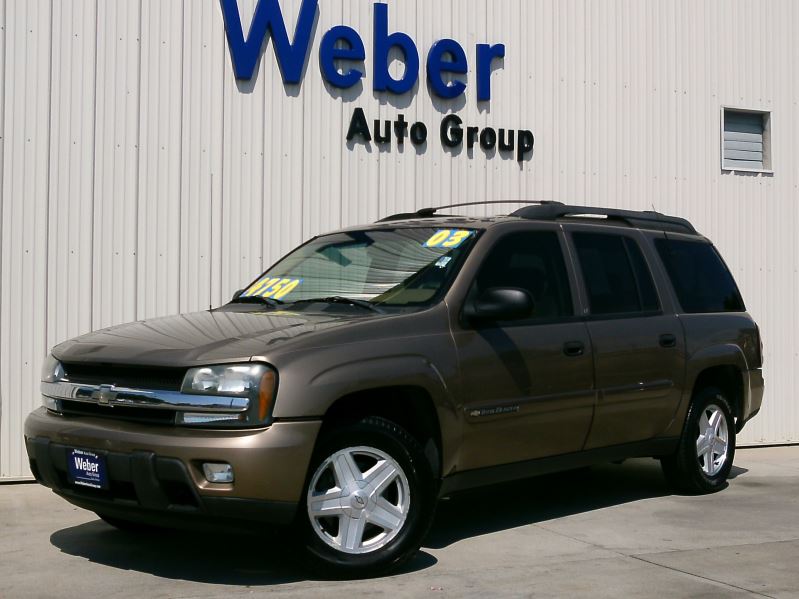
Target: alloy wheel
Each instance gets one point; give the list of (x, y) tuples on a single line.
[(712, 442), (358, 500)]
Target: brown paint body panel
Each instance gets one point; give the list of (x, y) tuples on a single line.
[(268, 463), (524, 368), (640, 383)]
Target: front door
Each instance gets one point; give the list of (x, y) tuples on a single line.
[(528, 385)]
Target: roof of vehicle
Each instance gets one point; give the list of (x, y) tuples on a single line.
[(544, 211)]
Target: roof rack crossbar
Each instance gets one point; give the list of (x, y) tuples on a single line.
[(644, 219), (431, 212)]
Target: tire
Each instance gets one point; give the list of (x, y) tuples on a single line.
[(128, 525), (692, 470), (380, 524)]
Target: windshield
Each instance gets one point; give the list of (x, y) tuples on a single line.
[(397, 267)]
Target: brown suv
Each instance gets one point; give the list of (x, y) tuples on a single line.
[(374, 370)]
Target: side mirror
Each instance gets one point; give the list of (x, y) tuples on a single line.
[(237, 295), (500, 303)]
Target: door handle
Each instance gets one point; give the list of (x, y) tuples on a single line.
[(574, 348), (668, 340)]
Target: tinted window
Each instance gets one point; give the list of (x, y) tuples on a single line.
[(616, 275), (531, 261), (700, 278)]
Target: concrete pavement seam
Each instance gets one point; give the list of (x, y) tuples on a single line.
[(699, 576), (641, 559), (730, 546)]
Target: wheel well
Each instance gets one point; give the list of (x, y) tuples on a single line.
[(729, 380), (411, 408)]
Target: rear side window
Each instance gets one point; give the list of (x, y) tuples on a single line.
[(700, 279), (616, 275)]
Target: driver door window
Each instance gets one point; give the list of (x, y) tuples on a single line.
[(534, 262)]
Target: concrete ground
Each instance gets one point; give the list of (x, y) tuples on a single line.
[(611, 531)]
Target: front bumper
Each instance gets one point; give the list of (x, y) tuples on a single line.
[(155, 472)]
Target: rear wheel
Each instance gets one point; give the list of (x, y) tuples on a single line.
[(369, 499), (705, 454)]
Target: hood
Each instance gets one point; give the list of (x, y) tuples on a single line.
[(226, 335)]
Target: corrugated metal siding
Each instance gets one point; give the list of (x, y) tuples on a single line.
[(139, 178), (3, 393), (25, 304)]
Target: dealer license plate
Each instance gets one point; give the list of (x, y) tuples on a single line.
[(87, 469)]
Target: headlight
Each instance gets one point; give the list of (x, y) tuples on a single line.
[(52, 371), (257, 382)]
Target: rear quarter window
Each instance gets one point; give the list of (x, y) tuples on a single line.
[(699, 276)]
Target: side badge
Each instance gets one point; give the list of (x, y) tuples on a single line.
[(494, 411)]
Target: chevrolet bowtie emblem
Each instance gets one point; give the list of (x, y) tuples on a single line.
[(104, 395)]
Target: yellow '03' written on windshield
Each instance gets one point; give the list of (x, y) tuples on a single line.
[(448, 238)]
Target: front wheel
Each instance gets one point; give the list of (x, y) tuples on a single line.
[(704, 456), (369, 499)]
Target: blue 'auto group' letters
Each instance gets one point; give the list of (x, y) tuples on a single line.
[(343, 43)]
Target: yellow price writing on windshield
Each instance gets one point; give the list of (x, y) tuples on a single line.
[(448, 238), (274, 287)]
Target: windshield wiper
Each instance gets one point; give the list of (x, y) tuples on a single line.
[(340, 299), (257, 299)]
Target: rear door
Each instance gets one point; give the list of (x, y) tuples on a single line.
[(527, 385), (639, 347)]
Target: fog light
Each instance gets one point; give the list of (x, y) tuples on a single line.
[(218, 473)]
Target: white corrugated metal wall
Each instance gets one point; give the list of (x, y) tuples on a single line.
[(138, 178)]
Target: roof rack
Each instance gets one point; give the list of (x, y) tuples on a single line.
[(549, 210), (432, 212), (648, 219)]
